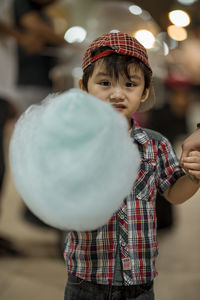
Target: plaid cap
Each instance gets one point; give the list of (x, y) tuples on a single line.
[(120, 43)]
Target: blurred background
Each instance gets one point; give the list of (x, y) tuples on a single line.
[(41, 47)]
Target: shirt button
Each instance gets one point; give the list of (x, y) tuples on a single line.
[(122, 217), (123, 244)]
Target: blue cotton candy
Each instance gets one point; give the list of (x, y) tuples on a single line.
[(72, 160)]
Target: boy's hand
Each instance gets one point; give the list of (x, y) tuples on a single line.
[(191, 164)]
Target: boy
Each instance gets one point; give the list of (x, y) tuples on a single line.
[(117, 261)]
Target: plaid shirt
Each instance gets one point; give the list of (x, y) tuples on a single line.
[(92, 255)]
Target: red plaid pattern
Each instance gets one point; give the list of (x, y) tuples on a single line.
[(92, 255), (121, 43)]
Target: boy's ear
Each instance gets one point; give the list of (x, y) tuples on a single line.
[(80, 84), (145, 95)]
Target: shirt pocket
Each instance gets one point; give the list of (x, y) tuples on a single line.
[(145, 186)]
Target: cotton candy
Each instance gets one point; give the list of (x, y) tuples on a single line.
[(72, 160)]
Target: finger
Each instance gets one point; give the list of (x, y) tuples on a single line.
[(192, 166), (191, 159), (194, 173), (184, 154), (194, 153)]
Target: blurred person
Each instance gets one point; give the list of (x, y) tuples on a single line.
[(33, 82)]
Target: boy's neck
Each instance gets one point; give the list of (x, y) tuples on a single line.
[(130, 122)]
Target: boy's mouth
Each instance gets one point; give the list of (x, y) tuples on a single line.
[(119, 106)]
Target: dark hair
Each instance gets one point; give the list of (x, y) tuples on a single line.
[(117, 64)]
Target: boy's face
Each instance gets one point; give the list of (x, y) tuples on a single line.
[(124, 95)]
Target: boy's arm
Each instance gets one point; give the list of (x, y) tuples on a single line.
[(186, 186), (183, 189)]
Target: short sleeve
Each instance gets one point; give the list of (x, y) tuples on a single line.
[(168, 167)]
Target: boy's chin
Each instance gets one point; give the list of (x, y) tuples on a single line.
[(120, 110)]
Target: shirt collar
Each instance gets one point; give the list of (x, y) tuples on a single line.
[(139, 134)]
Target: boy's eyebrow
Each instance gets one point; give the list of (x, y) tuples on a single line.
[(132, 77), (102, 74), (135, 76)]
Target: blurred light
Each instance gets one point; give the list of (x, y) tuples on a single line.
[(135, 10), (179, 18), (146, 38), (165, 49), (114, 31), (187, 2), (177, 33), (75, 34)]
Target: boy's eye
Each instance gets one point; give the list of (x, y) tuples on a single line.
[(105, 83), (130, 84)]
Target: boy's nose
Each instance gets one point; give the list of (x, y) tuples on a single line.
[(117, 94)]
